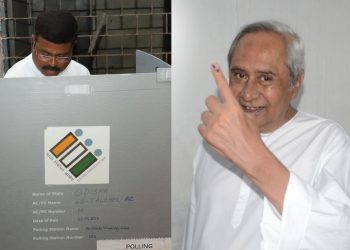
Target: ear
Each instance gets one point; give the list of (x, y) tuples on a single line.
[(33, 41), (297, 85)]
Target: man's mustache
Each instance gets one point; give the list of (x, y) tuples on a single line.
[(51, 68)]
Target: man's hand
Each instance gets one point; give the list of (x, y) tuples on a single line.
[(225, 126)]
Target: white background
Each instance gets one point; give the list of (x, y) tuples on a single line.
[(202, 33)]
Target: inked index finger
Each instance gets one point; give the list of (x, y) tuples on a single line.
[(222, 84)]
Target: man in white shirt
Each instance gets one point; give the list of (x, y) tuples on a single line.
[(53, 42), (268, 176)]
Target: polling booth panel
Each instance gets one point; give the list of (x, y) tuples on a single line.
[(85, 162)]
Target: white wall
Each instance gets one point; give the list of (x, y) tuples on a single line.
[(202, 33)]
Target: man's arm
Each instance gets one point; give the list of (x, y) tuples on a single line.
[(316, 214)]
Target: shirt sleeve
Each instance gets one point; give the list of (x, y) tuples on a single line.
[(316, 215), (10, 74), (87, 72)]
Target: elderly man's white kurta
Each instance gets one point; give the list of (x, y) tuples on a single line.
[(228, 212)]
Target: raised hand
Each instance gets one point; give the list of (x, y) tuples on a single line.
[(226, 127), (233, 135)]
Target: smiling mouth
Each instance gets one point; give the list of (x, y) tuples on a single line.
[(252, 109)]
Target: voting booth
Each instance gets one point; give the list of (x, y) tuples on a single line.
[(85, 162)]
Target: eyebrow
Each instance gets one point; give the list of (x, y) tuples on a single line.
[(61, 54), (237, 69), (267, 72)]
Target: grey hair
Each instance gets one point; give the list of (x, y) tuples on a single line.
[(294, 45)]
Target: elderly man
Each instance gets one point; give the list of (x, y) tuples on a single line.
[(268, 176), (53, 41)]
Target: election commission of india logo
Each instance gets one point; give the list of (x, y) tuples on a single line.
[(77, 155)]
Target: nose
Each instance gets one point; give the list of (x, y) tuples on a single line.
[(52, 61), (250, 90)]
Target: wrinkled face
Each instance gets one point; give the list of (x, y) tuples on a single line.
[(260, 79), (51, 58)]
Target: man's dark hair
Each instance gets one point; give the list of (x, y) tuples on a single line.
[(56, 26)]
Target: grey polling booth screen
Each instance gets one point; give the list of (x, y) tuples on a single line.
[(84, 159), (146, 63)]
